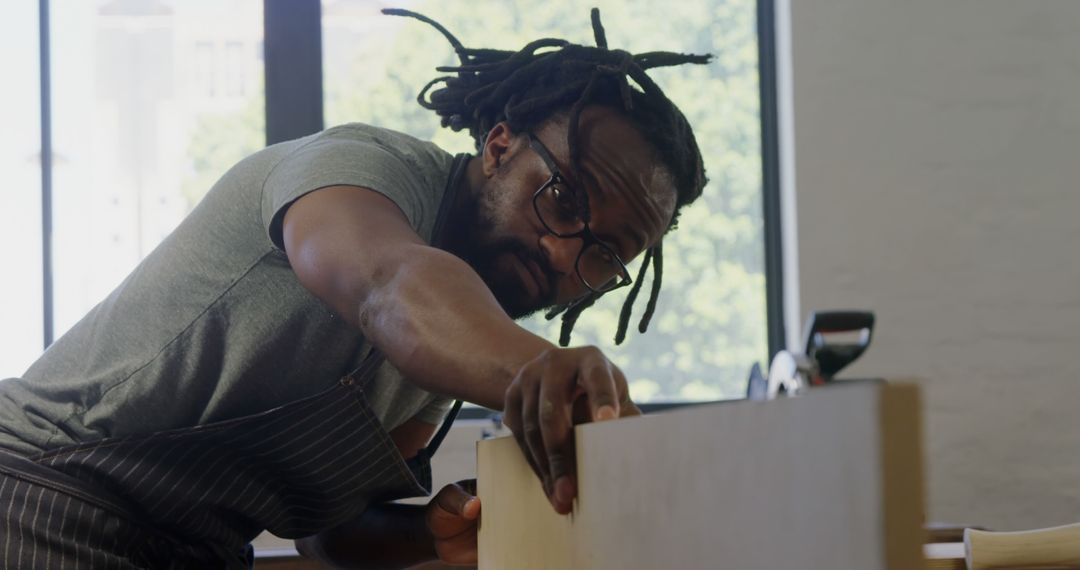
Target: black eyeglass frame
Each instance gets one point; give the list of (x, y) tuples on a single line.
[(622, 276)]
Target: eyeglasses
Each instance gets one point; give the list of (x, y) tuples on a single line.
[(565, 213)]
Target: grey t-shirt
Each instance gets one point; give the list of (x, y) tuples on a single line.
[(214, 324)]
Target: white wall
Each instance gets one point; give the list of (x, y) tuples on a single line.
[(937, 174)]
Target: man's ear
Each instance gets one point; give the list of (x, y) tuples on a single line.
[(497, 148)]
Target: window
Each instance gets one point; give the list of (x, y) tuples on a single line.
[(153, 99), (149, 109), (21, 327), (710, 324)]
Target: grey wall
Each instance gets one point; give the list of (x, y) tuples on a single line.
[(937, 149)]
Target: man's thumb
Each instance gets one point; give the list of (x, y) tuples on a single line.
[(456, 501)]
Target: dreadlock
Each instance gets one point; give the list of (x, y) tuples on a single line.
[(550, 76)]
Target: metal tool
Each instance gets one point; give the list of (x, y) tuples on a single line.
[(792, 373), (833, 357)]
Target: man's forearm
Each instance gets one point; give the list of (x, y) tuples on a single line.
[(388, 536), (436, 320)]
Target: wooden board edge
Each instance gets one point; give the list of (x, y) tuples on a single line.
[(902, 475)]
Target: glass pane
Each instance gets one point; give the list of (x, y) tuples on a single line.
[(710, 323), (20, 161), (153, 101)]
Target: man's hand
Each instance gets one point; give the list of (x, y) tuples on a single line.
[(451, 517), (550, 394)]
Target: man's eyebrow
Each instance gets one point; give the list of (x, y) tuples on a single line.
[(639, 240)]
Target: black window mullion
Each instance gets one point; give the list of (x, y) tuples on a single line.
[(292, 48), (770, 181), (46, 172)]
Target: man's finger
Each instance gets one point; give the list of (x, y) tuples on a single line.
[(599, 381), (512, 409), (455, 512), (534, 442), (459, 513), (512, 420), (455, 501), (558, 441), (519, 436), (627, 407)]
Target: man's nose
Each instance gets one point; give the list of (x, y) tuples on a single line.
[(561, 253)]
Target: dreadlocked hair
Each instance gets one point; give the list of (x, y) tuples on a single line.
[(551, 76)]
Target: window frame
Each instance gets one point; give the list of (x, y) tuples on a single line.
[(45, 63)]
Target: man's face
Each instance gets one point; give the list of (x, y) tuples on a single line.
[(630, 195)]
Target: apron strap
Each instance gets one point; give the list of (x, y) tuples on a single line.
[(440, 435), (449, 196)]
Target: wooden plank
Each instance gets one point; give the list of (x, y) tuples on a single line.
[(830, 480), (900, 454)]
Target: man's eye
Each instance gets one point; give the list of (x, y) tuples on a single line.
[(564, 199)]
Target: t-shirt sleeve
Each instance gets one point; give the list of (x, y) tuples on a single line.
[(350, 157), (435, 410)]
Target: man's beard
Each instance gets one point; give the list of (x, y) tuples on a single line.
[(476, 247), (484, 256)]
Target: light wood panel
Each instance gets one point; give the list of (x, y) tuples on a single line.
[(831, 480)]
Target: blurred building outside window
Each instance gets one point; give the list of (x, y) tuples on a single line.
[(21, 282), (141, 91)]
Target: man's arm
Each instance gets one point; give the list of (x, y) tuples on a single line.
[(440, 325), (426, 309)]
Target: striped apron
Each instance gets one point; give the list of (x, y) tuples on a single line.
[(195, 497)]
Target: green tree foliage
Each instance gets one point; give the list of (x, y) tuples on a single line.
[(710, 324)]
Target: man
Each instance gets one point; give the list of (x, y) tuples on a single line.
[(250, 373)]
